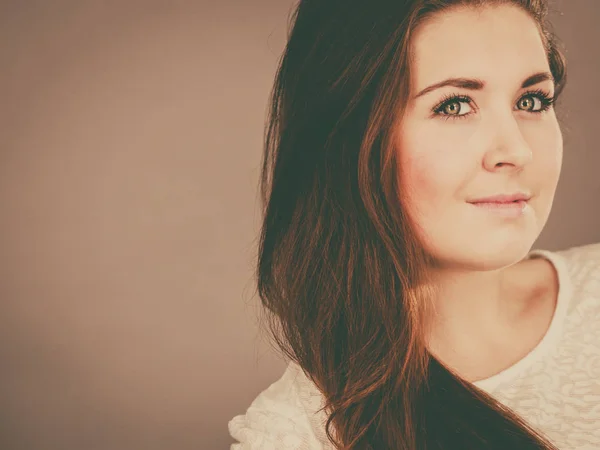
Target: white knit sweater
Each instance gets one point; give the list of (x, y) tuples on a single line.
[(556, 387)]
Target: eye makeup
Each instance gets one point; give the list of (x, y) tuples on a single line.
[(544, 97)]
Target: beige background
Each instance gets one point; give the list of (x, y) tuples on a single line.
[(130, 143)]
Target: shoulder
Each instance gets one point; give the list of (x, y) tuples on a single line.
[(580, 266), (583, 262), (281, 417)]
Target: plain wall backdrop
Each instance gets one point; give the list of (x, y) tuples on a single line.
[(130, 146)]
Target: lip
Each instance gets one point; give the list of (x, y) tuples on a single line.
[(503, 198), (512, 207)]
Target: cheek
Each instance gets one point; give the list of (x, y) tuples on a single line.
[(549, 148), (433, 175), (426, 184), (429, 191)]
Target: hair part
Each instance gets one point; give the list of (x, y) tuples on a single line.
[(341, 273)]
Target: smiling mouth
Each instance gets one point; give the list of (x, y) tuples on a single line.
[(492, 202), (511, 204), (513, 209)]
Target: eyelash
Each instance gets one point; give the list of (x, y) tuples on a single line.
[(546, 99)]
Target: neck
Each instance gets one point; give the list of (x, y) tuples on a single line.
[(470, 307)]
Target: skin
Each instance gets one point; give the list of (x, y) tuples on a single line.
[(491, 299)]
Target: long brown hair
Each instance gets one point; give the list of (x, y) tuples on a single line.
[(341, 273)]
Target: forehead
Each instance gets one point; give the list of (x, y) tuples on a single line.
[(497, 44)]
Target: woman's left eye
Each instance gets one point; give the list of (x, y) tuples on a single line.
[(535, 102), (530, 100)]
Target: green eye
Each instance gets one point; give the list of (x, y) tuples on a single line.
[(535, 102)]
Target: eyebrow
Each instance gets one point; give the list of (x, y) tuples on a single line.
[(476, 84)]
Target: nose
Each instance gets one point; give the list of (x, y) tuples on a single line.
[(509, 150)]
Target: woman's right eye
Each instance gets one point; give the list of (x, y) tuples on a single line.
[(451, 108)]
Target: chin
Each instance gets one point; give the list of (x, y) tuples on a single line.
[(492, 254)]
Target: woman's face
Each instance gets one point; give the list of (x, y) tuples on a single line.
[(492, 140)]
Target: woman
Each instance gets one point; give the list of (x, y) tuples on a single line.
[(412, 157)]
